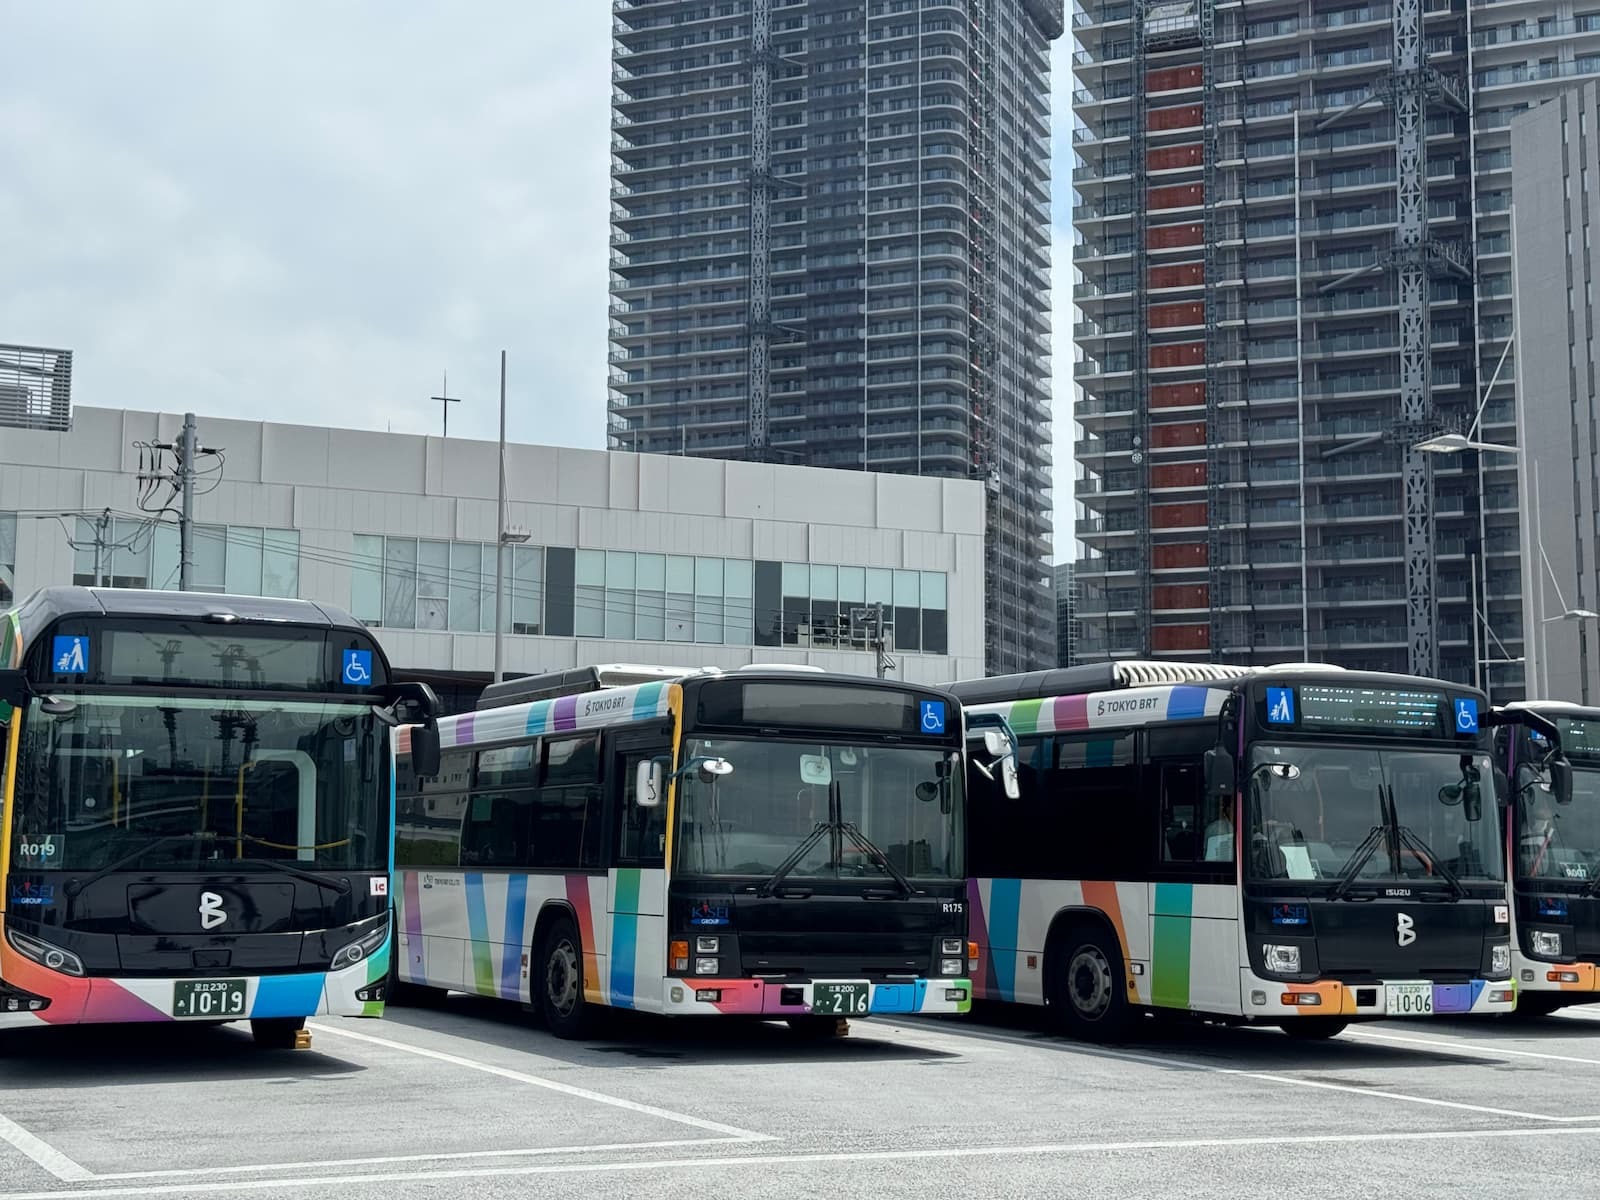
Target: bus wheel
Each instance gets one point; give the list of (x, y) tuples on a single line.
[(561, 981), (277, 1033), (1314, 1029), (1089, 995)]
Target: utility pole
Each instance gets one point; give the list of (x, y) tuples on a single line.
[(187, 450), (500, 525), (870, 621)]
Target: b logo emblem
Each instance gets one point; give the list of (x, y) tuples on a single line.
[(1404, 929), (211, 914)]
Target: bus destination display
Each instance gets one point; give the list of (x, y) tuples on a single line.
[(1374, 710)]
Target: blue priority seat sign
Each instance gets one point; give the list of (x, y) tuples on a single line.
[(930, 716)]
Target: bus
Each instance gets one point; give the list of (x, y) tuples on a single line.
[(195, 810), (1297, 846), (1553, 831), (767, 842)]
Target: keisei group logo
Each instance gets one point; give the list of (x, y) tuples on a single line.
[(28, 894), (704, 912)]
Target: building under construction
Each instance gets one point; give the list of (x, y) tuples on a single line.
[(830, 246), (1294, 271)]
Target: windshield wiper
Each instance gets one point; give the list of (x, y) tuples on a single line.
[(878, 857), (342, 886), (772, 881), (74, 886), (1422, 849), (1363, 854)]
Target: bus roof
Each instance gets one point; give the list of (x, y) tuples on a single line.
[(547, 685), (1131, 673), (50, 604), (1555, 708)]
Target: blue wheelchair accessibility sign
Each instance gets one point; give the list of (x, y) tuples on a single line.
[(930, 716), (357, 667), (1466, 716)]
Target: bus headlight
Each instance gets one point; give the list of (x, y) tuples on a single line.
[(362, 948), (1546, 943), (1282, 960), (705, 966), (51, 957), (950, 966), (951, 946), (1500, 959)]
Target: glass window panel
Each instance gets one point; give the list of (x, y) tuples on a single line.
[(708, 577), (680, 616), (652, 573), (736, 578), (366, 579), (527, 589), (83, 553), (590, 570), (620, 615), (934, 587), (824, 583), (880, 586), (853, 585), (8, 556), (487, 568), (164, 552), (433, 569), (243, 564), (680, 573), (210, 559), (280, 563), (796, 579), (466, 585), (651, 616), (739, 606), (907, 589), (708, 619), (400, 583), (620, 569)]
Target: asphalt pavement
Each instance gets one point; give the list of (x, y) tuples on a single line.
[(467, 1099)]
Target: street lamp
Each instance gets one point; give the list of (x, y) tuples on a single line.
[(1455, 443)]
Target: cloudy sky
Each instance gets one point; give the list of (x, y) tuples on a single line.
[(311, 212)]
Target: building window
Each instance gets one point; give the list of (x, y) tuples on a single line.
[(8, 557), (241, 560), (425, 583)]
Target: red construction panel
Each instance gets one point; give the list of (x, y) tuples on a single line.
[(1177, 556), (1181, 595), (1178, 354), (1182, 195), (1181, 637), (1181, 116), (1178, 275), (1165, 237), (1178, 475), (1170, 79), (1184, 433), (1178, 516), (1171, 158), (1177, 395)]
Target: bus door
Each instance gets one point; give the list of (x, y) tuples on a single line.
[(638, 878), (1194, 928)]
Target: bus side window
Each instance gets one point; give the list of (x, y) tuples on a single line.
[(566, 813), (1186, 828)]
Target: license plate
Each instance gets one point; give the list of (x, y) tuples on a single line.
[(1409, 999), (839, 999), (214, 998)]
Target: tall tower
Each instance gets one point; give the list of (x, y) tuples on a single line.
[(831, 246), (1293, 270)]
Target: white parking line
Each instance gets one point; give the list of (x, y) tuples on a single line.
[(1266, 1076), (46, 1155), (566, 1089), (395, 1159), (1063, 1149), (1468, 1045)]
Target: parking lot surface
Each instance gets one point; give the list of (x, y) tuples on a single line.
[(468, 1099)]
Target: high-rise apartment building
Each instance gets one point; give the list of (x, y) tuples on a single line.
[(1295, 268), (1556, 153), (1066, 613), (831, 245)]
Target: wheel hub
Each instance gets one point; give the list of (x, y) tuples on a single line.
[(561, 977), (1089, 983)]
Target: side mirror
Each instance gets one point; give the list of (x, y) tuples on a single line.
[(1008, 777), (994, 743), (1221, 774), (14, 688), (648, 783), (1561, 779), (425, 750)]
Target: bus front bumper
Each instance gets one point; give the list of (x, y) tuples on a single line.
[(1538, 975), (1275, 1000), (33, 995), (789, 998)]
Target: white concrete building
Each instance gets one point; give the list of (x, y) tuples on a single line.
[(633, 558)]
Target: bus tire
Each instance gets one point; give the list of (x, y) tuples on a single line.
[(1088, 990), (560, 981), (1314, 1029), (277, 1033)]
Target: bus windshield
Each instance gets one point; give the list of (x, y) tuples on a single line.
[(1561, 841), (904, 801), (174, 782), (1315, 811)]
